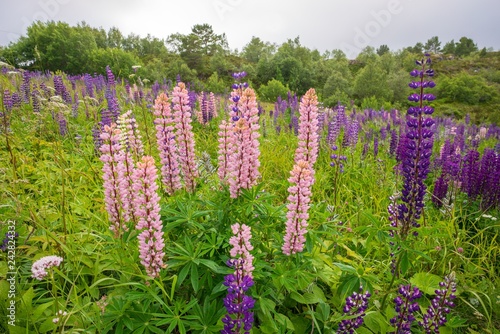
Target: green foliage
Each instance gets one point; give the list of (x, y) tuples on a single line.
[(466, 88), (271, 91)]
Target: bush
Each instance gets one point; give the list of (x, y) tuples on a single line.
[(273, 89)]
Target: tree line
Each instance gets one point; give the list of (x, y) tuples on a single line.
[(203, 57)]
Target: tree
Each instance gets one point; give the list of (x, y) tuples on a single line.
[(256, 49), (433, 45), (382, 49), (466, 88), (416, 49), (465, 47), (273, 89), (372, 81), (450, 47)]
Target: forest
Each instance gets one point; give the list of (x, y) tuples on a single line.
[(468, 78)]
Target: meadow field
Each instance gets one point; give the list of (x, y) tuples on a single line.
[(130, 206)]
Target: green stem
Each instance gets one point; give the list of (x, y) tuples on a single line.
[(396, 269)]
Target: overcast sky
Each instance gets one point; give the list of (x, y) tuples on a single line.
[(349, 25)]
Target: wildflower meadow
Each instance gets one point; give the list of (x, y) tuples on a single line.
[(130, 206)]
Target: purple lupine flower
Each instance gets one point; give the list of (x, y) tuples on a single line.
[(441, 305), (375, 146), (35, 98), (89, 84), (337, 159), (63, 124), (355, 308), (16, 100), (238, 305), (7, 100), (440, 190), (418, 150), (470, 176), (394, 143), (26, 87), (490, 178), (405, 306)]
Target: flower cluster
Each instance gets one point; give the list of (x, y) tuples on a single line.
[(302, 175), (40, 267), (337, 159), (417, 152), (355, 307), (298, 205), (440, 305), (405, 306), (242, 247), (184, 135), (207, 108), (165, 138), (113, 170), (147, 208), (237, 303)]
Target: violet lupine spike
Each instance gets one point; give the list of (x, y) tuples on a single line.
[(7, 100), (355, 307), (440, 306), (470, 175), (405, 306), (25, 88), (184, 135), (167, 146), (418, 150), (297, 209), (112, 158), (440, 191), (239, 318), (63, 124), (490, 169), (147, 209), (238, 305)]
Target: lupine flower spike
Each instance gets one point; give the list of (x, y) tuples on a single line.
[(355, 307), (441, 305), (147, 207), (165, 138), (418, 150), (239, 318), (406, 306), (184, 135)]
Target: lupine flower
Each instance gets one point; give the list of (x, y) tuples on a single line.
[(440, 190), (25, 88), (35, 98), (147, 209), (441, 305), (112, 158), (8, 236), (337, 159), (375, 146), (165, 137), (355, 306), (63, 124), (7, 100), (242, 247), (238, 305), (184, 135), (406, 306), (298, 206), (490, 170), (130, 136), (225, 149), (308, 129), (416, 158), (40, 267), (243, 162), (470, 176)]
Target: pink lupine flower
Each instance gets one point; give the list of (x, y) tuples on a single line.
[(242, 247), (131, 138), (184, 135), (113, 170), (308, 129), (244, 156), (39, 267), (225, 147), (147, 208), (298, 205), (165, 137)]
